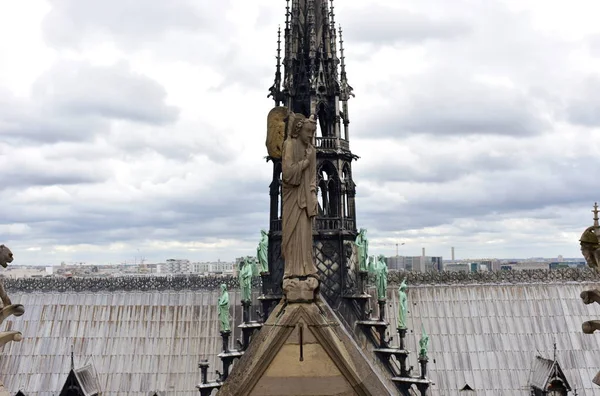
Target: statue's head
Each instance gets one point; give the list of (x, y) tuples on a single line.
[(304, 128), (223, 287), (6, 256), (589, 245), (403, 285), (363, 231), (263, 233)]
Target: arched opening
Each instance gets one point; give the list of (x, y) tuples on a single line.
[(346, 180), (328, 186), (323, 124)]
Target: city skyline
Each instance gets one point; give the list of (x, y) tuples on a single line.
[(146, 134)]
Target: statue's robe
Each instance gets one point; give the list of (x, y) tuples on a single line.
[(299, 209), (224, 310), (381, 279), (245, 277), (261, 253), (362, 245)]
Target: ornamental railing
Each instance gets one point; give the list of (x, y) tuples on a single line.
[(331, 143), (322, 224)]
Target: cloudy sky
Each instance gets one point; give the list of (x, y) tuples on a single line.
[(134, 129)]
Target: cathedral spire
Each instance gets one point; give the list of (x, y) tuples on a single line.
[(313, 85)]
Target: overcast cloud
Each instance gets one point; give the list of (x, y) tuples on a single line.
[(131, 131)]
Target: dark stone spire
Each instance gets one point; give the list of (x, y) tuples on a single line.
[(312, 84)]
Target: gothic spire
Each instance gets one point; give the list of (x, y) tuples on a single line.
[(346, 89), (312, 43), (275, 90), (333, 37)]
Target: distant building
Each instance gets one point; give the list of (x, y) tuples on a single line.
[(457, 267), (414, 263), (214, 267), (567, 264), (175, 266)]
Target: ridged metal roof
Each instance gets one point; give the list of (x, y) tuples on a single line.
[(139, 342), (486, 336)]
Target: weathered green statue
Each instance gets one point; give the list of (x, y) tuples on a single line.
[(362, 247), (423, 343), (381, 272), (371, 266), (253, 262), (403, 305), (262, 252), (245, 277), (224, 309)]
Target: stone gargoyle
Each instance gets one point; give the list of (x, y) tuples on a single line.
[(8, 308)]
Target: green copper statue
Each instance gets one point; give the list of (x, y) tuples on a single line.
[(262, 252), (253, 262), (403, 305), (245, 277), (381, 272), (423, 343), (224, 309), (371, 266), (362, 247)]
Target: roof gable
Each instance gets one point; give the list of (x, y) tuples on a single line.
[(544, 371), (304, 347)]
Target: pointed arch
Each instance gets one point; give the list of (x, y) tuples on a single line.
[(328, 185)]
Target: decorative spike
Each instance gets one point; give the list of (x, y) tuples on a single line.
[(312, 51), (278, 49), (287, 14), (342, 57), (332, 15), (275, 90), (595, 211), (295, 14), (312, 30), (333, 41)]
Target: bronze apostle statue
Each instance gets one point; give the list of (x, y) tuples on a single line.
[(299, 162)]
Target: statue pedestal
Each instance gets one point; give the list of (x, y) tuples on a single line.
[(300, 289)]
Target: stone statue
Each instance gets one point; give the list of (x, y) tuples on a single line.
[(423, 343), (362, 245), (262, 252), (299, 162), (590, 241), (403, 305), (224, 309), (381, 272), (8, 308), (590, 247), (245, 277), (6, 257)]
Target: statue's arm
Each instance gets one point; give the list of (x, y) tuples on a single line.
[(291, 171)]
